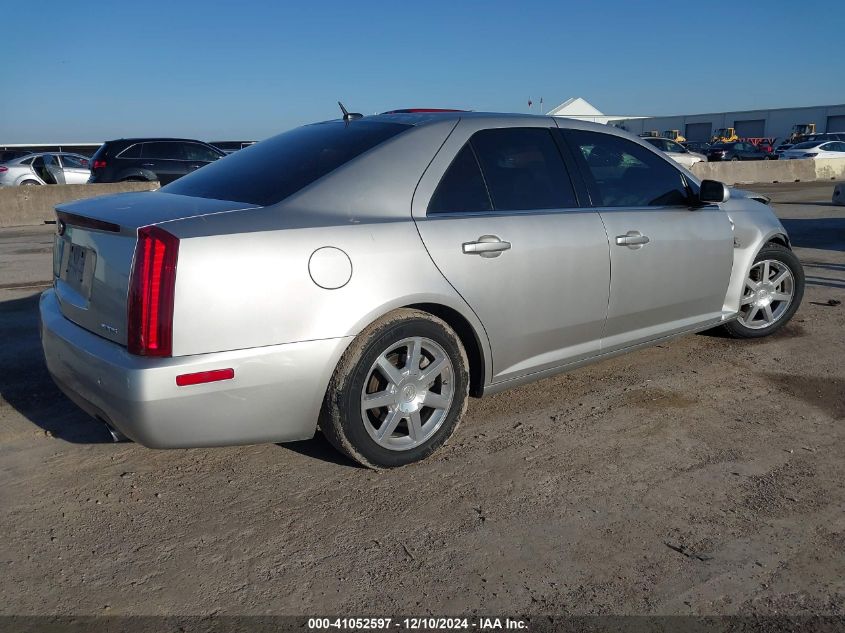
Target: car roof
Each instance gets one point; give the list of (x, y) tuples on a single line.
[(155, 139)]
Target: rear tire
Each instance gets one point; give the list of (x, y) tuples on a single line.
[(30, 183), (772, 293), (734, 158), (399, 391)]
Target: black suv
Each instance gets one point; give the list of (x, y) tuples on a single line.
[(162, 159)]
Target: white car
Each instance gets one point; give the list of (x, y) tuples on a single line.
[(41, 169), (815, 149), (676, 151)]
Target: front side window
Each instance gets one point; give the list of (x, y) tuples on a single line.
[(624, 173), (74, 162), (198, 152), (674, 148), (270, 171), (462, 188), (523, 169)]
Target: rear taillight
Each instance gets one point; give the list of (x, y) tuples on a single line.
[(3, 169), (99, 164), (152, 289)]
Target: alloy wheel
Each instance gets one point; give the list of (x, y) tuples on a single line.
[(407, 394), (767, 295)]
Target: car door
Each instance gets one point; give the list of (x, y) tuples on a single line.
[(499, 216), (670, 262), (75, 169), (53, 170), (165, 159)]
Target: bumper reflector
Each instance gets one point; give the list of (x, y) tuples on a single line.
[(200, 377)]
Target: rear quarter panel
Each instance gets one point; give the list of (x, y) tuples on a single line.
[(253, 288)]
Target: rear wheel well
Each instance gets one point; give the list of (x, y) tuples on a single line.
[(466, 333)]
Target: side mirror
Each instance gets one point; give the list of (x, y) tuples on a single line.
[(713, 191)]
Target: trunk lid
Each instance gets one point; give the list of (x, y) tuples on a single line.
[(94, 250)]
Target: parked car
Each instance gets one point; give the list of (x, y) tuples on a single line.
[(676, 151), (368, 274), (699, 147), (821, 136), (815, 149), (42, 169), (738, 150), (150, 159)]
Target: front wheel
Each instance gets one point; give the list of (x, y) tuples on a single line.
[(772, 293), (399, 391)]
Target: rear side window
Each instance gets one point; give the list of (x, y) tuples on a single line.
[(626, 174), (164, 150), (270, 171), (462, 188), (133, 151), (523, 169)]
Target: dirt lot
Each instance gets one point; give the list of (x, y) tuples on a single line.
[(701, 476)]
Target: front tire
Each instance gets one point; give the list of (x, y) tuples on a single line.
[(772, 293), (399, 391)]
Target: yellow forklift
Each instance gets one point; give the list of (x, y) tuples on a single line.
[(725, 135), (674, 135), (800, 132)]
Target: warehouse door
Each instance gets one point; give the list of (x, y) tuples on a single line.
[(698, 131), (836, 123), (751, 128)]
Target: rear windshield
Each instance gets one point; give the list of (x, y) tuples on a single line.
[(272, 170)]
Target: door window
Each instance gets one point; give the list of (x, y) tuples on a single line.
[(462, 187), (133, 151), (523, 169), (197, 152), (74, 162), (625, 173), (674, 148), (165, 150)]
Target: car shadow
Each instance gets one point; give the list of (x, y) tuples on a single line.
[(26, 385), (318, 447), (822, 233)]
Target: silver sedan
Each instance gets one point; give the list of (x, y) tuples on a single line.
[(61, 168), (366, 275)]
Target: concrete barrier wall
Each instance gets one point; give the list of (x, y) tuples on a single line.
[(21, 206), (744, 172)]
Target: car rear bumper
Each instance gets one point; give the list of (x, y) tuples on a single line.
[(275, 395)]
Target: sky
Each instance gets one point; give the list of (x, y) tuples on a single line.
[(248, 69)]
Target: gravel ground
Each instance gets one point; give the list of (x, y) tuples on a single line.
[(702, 476)]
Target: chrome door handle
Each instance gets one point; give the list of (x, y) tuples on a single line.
[(632, 239), (486, 246)]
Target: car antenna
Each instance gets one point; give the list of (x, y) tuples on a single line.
[(349, 116)]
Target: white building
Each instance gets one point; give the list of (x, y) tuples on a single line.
[(775, 122)]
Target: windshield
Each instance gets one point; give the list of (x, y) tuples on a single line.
[(270, 171)]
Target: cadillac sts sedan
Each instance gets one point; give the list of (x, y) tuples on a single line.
[(365, 276)]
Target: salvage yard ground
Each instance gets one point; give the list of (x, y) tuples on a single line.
[(701, 476)]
